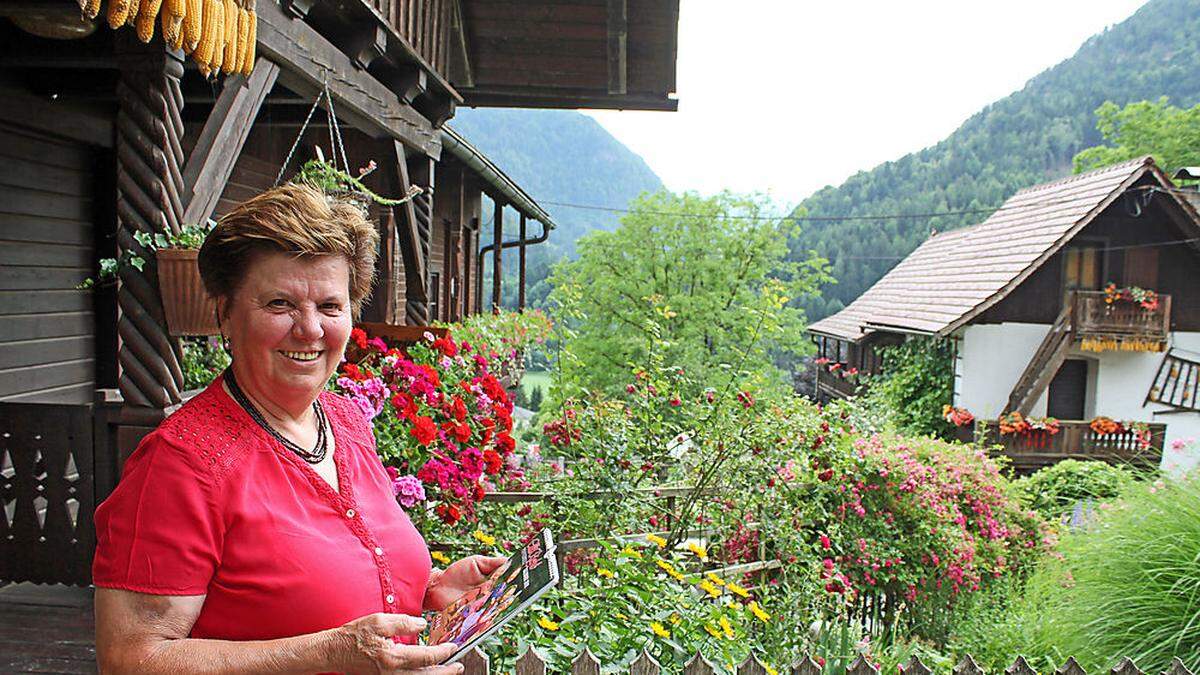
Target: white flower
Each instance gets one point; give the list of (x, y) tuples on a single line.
[(428, 336)]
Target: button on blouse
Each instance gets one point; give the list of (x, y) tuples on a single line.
[(209, 504)]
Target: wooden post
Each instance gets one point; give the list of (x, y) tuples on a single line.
[(149, 199), (497, 250), (521, 268)]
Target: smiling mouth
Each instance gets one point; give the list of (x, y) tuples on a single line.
[(302, 356)]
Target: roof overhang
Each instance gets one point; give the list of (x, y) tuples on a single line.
[(501, 185), (616, 54)]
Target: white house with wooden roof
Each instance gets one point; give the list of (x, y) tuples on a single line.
[(1023, 295)]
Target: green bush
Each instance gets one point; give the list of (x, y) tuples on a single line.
[(203, 360), (1129, 585), (1054, 490), (917, 380)]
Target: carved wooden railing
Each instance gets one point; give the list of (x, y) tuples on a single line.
[(531, 663), (1075, 440), (1095, 316)]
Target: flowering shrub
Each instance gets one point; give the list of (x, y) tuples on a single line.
[(504, 337), (442, 421)]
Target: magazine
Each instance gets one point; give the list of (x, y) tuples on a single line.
[(515, 585)]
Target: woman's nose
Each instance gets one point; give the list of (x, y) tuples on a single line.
[(307, 325)]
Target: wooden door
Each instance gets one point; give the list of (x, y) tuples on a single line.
[(1068, 391)]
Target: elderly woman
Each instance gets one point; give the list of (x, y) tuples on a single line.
[(255, 530)]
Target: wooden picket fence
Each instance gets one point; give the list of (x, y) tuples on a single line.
[(530, 663)]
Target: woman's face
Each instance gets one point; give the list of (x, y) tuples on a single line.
[(288, 323)]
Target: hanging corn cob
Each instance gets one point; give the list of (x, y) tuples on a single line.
[(90, 8), (220, 35), (118, 11), (146, 18), (193, 24), (212, 35), (251, 42), (229, 55)]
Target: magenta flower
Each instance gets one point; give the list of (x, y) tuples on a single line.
[(409, 491)]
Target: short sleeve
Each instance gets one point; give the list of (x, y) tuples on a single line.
[(161, 530)]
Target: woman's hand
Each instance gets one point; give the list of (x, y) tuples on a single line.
[(449, 585), (365, 645)]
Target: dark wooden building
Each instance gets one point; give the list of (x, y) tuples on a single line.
[(104, 136)]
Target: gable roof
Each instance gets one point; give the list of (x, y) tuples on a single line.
[(956, 275)]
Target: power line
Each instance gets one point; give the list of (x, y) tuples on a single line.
[(826, 219)]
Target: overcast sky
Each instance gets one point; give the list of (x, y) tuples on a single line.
[(788, 96)]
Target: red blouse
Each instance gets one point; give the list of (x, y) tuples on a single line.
[(210, 504)]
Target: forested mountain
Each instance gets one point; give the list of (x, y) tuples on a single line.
[(556, 156), (1026, 138)]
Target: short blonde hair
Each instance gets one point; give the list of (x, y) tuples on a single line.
[(292, 219)]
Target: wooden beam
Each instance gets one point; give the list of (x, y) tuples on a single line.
[(368, 44), (410, 236), (521, 267), (309, 61), (220, 142), (408, 81), (497, 249), (618, 37)]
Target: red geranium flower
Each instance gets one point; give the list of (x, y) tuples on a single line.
[(424, 430), (359, 337), (505, 443), (461, 432), (492, 463), (458, 408), (446, 346)]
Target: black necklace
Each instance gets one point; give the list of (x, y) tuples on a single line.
[(313, 456)]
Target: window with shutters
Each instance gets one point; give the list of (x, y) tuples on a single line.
[(1083, 267)]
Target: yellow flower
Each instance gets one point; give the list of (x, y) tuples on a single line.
[(725, 626), (621, 616), (675, 618), (759, 612), (717, 581), (547, 623), (631, 552), (605, 572), (734, 588), (440, 557), (655, 539), (669, 569), (734, 606), (707, 587), (659, 630), (699, 550), (770, 670), (712, 631), (485, 539)]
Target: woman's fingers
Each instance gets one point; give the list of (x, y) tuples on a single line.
[(423, 658), (390, 625), (489, 564)]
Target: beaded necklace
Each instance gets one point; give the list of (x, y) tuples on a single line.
[(313, 456)]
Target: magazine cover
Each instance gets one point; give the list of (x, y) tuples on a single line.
[(479, 613)]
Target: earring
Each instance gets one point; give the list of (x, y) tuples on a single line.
[(225, 344)]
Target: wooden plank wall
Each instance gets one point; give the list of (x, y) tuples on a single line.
[(47, 247)]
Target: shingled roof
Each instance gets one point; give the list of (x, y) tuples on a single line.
[(955, 275)]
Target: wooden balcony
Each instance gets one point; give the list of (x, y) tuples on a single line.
[(1092, 317), (831, 386), (1075, 440)]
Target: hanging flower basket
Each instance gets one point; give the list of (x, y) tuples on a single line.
[(188, 308)]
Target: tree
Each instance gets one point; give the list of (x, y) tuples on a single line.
[(701, 283), (1170, 134)]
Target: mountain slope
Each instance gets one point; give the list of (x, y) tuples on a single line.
[(560, 156), (1023, 139)]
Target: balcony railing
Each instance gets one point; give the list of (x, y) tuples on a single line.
[(425, 25), (1094, 317), (1075, 440)]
